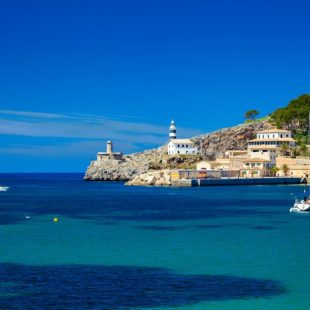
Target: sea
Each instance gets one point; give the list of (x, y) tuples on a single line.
[(70, 244)]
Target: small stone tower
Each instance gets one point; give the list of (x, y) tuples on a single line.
[(109, 147), (172, 131)]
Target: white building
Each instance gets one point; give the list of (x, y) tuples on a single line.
[(268, 142), (180, 146), (273, 137), (266, 152)]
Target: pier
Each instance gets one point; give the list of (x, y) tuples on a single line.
[(235, 181)]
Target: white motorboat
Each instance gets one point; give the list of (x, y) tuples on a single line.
[(4, 188), (301, 206)]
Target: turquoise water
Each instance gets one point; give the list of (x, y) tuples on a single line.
[(117, 247)]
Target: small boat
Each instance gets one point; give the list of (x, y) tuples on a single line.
[(4, 188), (301, 206)]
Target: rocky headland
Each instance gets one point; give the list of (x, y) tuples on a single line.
[(211, 145)]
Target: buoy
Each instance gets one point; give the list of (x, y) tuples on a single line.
[(55, 219)]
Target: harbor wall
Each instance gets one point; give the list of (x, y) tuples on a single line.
[(235, 181)]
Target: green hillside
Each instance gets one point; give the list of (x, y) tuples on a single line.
[(295, 117)]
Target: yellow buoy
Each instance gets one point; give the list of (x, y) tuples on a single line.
[(55, 219)]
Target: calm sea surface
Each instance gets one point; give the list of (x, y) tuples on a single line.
[(118, 247)]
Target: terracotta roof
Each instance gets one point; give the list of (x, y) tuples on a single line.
[(273, 139), (298, 167), (272, 147), (255, 160), (275, 130)]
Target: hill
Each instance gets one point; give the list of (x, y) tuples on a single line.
[(211, 145), (293, 117)]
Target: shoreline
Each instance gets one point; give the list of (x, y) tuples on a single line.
[(225, 182)]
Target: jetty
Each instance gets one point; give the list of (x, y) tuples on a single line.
[(235, 181), (191, 178)]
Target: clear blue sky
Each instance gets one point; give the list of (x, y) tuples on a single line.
[(75, 73)]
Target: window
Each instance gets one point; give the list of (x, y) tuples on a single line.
[(182, 145), (178, 145)]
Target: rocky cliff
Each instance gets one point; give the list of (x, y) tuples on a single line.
[(132, 165), (215, 144), (212, 145)]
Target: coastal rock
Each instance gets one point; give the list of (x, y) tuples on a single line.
[(157, 178), (211, 145), (128, 168), (215, 144)]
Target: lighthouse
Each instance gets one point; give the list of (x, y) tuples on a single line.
[(180, 146), (109, 147), (172, 131), (109, 155)]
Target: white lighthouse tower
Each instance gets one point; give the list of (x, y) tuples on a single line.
[(109, 147), (172, 131)]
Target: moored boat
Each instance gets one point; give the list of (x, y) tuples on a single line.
[(301, 206)]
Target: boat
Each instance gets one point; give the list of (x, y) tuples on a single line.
[(4, 188), (301, 206)]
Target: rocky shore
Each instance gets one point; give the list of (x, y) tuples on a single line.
[(211, 145), (215, 144), (130, 166)]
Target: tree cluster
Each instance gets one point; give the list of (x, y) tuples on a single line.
[(295, 116)]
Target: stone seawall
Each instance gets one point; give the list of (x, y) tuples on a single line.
[(242, 181)]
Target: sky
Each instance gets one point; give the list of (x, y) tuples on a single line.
[(74, 74)]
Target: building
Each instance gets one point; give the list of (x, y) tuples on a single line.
[(267, 144), (273, 137), (207, 165), (182, 147), (267, 152), (255, 168), (258, 159), (179, 146), (294, 167), (109, 154)]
